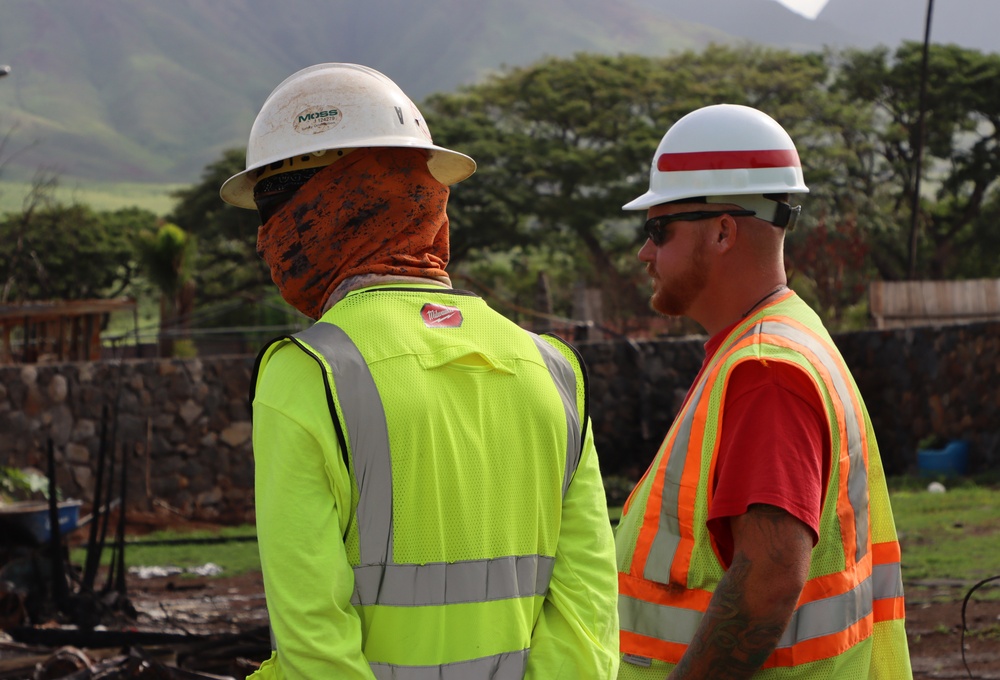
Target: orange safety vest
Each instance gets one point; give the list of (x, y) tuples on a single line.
[(849, 618)]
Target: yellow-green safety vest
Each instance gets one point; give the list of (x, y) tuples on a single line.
[(408, 589)]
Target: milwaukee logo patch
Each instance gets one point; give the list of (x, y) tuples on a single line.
[(439, 316)]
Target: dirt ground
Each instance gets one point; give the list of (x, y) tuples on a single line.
[(231, 609), (233, 604), (934, 630)]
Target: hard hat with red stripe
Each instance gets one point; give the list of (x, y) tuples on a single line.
[(724, 151)]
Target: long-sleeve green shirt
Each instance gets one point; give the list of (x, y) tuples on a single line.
[(305, 501)]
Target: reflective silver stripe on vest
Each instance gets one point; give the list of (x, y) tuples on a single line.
[(829, 615), (660, 621), (814, 619), (667, 538), (509, 666), (565, 379), (413, 585), (377, 579), (364, 419), (887, 581), (857, 476)]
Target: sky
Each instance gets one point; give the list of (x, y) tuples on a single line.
[(808, 8)]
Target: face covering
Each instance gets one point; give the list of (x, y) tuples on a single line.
[(375, 211)]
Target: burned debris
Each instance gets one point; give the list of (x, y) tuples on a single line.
[(59, 620)]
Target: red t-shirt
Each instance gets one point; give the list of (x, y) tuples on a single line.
[(774, 448)]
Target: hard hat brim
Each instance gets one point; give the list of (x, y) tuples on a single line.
[(644, 202), (446, 166), (651, 198)]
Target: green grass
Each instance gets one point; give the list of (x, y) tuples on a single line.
[(946, 538), (234, 558), (99, 196), (123, 326), (949, 541)]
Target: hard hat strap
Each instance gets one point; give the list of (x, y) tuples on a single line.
[(778, 213)]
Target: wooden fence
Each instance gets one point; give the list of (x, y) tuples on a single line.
[(42, 332), (900, 304)]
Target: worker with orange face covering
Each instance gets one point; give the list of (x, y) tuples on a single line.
[(429, 502)]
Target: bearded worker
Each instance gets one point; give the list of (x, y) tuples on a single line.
[(429, 502), (760, 542)]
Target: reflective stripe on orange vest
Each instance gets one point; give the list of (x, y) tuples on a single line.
[(857, 479), (814, 619), (658, 559), (660, 611)]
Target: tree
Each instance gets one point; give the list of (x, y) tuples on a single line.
[(835, 260), (227, 262), (961, 155), (166, 257), (67, 252), (560, 146), (234, 285), (563, 143)]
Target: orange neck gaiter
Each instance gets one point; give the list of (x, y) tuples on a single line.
[(375, 211)]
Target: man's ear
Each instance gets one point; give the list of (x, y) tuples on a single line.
[(726, 233)]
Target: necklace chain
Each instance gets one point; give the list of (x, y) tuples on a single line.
[(757, 304)]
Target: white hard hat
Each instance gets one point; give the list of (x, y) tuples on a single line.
[(337, 106), (722, 150)]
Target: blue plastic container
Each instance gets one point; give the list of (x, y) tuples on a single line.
[(30, 519), (951, 461)]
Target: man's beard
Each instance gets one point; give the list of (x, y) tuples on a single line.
[(674, 293)]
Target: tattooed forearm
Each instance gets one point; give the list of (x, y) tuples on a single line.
[(754, 599), (730, 644)]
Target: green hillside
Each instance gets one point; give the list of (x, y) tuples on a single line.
[(98, 195), (123, 91), (118, 97)]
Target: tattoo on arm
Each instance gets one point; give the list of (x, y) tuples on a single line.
[(733, 640)]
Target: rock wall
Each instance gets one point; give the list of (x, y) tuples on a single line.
[(917, 383), (184, 425)]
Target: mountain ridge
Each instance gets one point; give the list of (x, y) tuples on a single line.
[(116, 90)]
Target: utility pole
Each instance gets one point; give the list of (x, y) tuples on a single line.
[(919, 151)]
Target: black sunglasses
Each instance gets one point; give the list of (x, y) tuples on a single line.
[(656, 227)]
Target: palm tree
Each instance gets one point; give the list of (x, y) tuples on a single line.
[(166, 258)]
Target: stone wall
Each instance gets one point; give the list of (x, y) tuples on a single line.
[(917, 383), (184, 425)]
